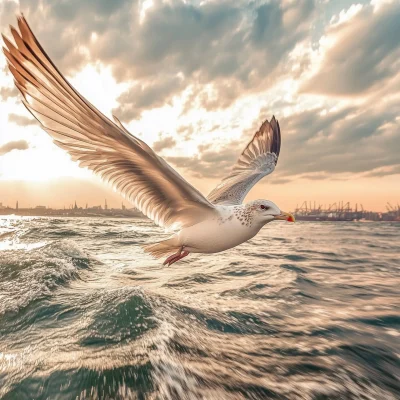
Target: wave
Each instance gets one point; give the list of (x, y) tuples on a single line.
[(297, 313), (28, 276)]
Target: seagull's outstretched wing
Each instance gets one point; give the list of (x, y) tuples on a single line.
[(95, 142), (257, 160)]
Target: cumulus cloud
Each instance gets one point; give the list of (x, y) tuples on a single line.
[(352, 139), (318, 144), (186, 131), (366, 51), (164, 143), (6, 93), (142, 96), (232, 48), (21, 120), (15, 145), (384, 171), (209, 163)]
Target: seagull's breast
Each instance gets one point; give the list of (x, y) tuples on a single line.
[(229, 229)]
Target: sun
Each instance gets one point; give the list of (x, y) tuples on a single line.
[(43, 160)]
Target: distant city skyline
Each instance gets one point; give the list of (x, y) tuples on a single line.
[(75, 206), (336, 211), (64, 191)]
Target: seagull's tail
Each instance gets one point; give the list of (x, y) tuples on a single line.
[(162, 249)]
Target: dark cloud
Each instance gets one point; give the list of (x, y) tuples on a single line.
[(209, 163), (223, 157), (196, 167), (180, 36), (314, 177), (21, 120), (223, 95), (233, 46), (278, 181), (352, 140), (366, 52), (393, 170), (65, 28), (164, 143), (15, 145), (317, 145), (147, 95)]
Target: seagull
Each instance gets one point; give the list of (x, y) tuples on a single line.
[(198, 224)]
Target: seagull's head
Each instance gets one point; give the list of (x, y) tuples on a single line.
[(266, 211)]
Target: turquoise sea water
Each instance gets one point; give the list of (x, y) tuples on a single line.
[(303, 311)]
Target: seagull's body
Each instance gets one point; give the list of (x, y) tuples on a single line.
[(201, 225), (230, 227)]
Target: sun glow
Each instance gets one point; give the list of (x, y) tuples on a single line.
[(44, 160)]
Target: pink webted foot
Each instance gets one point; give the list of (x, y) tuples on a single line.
[(173, 258), (177, 258)]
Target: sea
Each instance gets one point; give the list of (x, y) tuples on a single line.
[(309, 310)]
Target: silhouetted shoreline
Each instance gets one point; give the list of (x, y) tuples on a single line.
[(32, 212)]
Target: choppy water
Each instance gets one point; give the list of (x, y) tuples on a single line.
[(303, 311)]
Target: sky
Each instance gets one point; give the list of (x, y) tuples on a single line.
[(195, 80)]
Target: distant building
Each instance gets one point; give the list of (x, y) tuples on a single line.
[(40, 207), (105, 204), (95, 208), (2, 207), (16, 206)]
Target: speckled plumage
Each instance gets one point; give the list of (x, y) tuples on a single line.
[(234, 225)]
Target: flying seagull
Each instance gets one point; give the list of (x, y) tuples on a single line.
[(200, 224)]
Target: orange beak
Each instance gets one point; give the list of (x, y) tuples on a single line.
[(285, 217)]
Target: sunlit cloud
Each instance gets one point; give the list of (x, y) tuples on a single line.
[(21, 120), (16, 145)]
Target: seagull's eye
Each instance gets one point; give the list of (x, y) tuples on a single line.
[(262, 206)]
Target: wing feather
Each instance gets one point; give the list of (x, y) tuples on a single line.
[(96, 142), (257, 160)]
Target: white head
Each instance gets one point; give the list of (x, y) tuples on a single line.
[(265, 211)]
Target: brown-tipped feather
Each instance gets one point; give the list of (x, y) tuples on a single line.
[(257, 160)]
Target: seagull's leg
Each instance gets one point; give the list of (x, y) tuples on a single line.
[(172, 256), (177, 258)]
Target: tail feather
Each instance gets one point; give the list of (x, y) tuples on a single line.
[(162, 249)]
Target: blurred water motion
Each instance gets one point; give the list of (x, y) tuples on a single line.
[(303, 311)]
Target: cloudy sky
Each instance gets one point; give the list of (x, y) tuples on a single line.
[(195, 79)]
